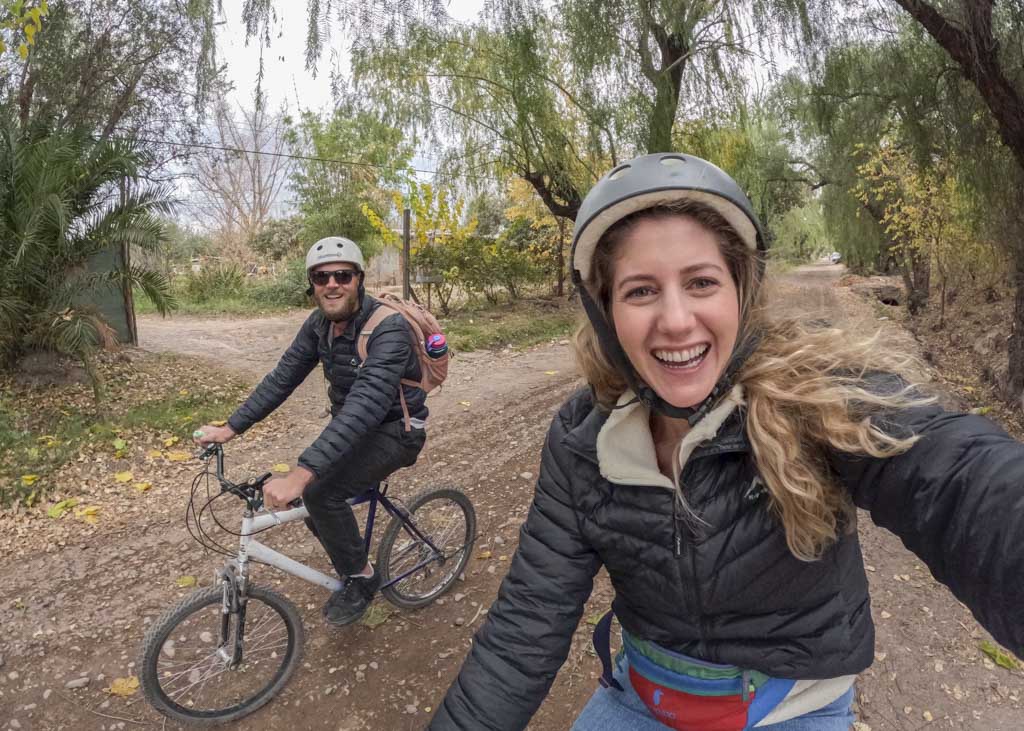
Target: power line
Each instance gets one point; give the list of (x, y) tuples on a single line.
[(307, 158)]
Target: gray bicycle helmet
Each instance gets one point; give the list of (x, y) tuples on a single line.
[(647, 182)]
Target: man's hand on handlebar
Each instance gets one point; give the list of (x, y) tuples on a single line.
[(280, 491), (209, 434)]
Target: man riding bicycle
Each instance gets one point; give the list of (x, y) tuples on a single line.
[(367, 438)]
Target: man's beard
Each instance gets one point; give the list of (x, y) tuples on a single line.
[(341, 310)]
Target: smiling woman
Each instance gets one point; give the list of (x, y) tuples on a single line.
[(713, 467)]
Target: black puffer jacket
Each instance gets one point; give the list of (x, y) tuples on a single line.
[(362, 398), (730, 591)]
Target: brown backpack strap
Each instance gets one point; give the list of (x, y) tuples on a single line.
[(375, 319)]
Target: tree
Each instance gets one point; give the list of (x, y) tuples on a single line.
[(19, 23), (985, 49), (439, 237), (488, 209), (558, 96), (280, 238), (139, 70), (529, 216), (61, 205), (352, 159), (923, 211), (238, 186)]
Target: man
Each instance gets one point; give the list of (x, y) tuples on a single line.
[(366, 439)]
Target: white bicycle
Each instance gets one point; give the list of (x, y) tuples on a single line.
[(228, 649)]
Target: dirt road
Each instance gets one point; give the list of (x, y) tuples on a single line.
[(76, 616)]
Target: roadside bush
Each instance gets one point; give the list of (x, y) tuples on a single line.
[(222, 281), (287, 290)]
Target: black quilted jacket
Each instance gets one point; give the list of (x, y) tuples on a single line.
[(362, 398), (730, 591)]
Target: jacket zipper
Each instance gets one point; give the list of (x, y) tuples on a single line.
[(677, 535)]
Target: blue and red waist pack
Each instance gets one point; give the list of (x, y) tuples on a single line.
[(686, 693)]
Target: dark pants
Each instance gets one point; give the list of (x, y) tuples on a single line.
[(380, 453)]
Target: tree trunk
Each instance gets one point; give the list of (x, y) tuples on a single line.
[(1015, 375), (560, 285), (667, 79)]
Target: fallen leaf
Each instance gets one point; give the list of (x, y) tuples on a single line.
[(981, 410), (143, 486), (88, 513), (178, 456), (593, 619), (464, 403), (123, 476), (550, 373), (377, 615), (119, 444), (186, 581), (484, 555), (183, 392), (28, 480), (170, 442), (218, 423), (999, 656), (281, 467), (154, 454), (124, 687), (58, 509)]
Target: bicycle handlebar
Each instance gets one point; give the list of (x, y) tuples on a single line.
[(251, 490)]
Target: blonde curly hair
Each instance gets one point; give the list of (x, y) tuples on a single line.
[(804, 388)]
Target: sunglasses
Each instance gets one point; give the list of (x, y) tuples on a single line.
[(341, 276)]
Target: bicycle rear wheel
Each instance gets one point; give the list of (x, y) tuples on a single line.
[(186, 669), (447, 520)]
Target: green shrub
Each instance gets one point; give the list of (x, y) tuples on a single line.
[(288, 289), (222, 281)]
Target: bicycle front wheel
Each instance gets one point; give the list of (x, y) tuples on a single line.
[(202, 666), (427, 551)]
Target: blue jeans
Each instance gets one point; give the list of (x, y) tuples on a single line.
[(623, 710)]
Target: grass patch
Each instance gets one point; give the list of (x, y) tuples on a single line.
[(42, 428), (519, 324), (217, 306)]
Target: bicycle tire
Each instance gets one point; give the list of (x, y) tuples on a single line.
[(167, 627), (464, 535)]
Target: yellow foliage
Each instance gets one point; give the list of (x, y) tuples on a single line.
[(123, 476)]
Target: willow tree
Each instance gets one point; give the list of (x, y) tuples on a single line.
[(985, 47), (142, 70), (554, 93)]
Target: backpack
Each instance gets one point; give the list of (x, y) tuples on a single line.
[(421, 325)]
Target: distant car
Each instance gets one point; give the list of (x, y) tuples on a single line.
[(834, 257)]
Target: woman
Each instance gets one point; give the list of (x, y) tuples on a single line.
[(713, 468)]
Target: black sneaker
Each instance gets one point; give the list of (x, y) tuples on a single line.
[(351, 601)]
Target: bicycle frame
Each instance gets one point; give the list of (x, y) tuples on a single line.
[(252, 549)]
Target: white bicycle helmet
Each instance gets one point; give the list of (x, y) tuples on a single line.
[(334, 249), (647, 182)]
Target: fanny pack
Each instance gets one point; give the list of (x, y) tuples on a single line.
[(686, 693)]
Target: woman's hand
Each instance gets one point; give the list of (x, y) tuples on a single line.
[(209, 434)]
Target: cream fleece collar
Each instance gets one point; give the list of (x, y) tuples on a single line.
[(625, 447)]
